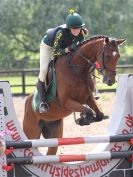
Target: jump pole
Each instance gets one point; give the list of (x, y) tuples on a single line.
[(53, 142), (106, 155)]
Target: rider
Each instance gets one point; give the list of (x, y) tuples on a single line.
[(58, 41)]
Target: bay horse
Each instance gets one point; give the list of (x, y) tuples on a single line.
[(74, 88)]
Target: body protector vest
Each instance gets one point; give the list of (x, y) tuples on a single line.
[(68, 38), (51, 33)]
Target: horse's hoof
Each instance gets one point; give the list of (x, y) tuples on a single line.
[(89, 114), (82, 121), (99, 117)]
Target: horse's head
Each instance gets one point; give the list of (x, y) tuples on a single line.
[(107, 57), (102, 49)]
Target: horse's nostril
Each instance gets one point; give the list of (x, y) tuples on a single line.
[(109, 83)]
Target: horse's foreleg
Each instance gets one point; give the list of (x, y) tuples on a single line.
[(74, 106), (86, 112), (93, 105)]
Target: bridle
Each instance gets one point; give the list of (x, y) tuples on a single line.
[(102, 69), (93, 65)]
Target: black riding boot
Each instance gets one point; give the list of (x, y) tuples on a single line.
[(43, 107)]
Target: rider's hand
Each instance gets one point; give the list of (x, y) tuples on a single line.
[(85, 32), (67, 50), (72, 47)]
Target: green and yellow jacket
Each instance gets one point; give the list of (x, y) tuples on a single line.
[(60, 38)]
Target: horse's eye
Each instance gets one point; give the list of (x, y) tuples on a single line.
[(108, 57)]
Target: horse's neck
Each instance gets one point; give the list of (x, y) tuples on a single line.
[(81, 62), (93, 48), (88, 51)]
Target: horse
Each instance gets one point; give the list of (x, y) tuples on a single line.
[(74, 88)]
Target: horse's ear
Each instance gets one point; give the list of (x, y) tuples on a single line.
[(120, 41), (106, 40)]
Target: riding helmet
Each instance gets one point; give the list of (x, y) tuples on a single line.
[(74, 20)]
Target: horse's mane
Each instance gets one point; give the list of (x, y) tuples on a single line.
[(93, 38)]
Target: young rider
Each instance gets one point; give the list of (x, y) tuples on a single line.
[(58, 41)]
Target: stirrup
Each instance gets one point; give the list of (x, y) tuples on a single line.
[(43, 108)]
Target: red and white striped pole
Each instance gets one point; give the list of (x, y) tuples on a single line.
[(68, 141), (106, 155)]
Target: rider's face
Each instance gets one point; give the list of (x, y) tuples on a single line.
[(75, 32)]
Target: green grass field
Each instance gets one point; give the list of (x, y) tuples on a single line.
[(14, 81)]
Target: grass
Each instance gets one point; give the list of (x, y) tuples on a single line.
[(17, 80)]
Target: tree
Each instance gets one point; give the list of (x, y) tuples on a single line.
[(23, 24)]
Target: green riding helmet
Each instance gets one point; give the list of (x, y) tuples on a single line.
[(74, 20)]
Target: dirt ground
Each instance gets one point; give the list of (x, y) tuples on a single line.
[(105, 102)]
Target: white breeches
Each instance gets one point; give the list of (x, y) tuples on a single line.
[(45, 57)]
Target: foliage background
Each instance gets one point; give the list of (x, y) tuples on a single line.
[(24, 23)]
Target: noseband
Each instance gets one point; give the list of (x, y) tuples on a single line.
[(102, 69)]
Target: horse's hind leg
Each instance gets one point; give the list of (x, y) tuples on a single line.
[(52, 129), (30, 123)]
